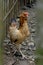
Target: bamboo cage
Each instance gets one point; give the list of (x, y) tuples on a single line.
[(10, 11)]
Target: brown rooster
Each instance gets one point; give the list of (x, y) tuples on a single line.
[(17, 36)]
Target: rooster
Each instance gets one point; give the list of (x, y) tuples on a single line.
[(17, 36)]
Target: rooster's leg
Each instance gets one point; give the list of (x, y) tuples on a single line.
[(20, 52), (23, 56)]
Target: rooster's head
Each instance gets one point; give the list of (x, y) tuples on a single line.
[(26, 14), (23, 17)]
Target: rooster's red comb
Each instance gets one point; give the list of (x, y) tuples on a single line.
[(25, 13)]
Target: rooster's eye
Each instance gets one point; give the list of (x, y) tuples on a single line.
[(23, 17)]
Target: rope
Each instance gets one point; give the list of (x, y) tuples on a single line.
[(10, 11)]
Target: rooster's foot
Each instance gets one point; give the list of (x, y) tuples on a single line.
[(24, 57)]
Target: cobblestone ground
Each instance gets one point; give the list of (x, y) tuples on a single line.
[(27, 47)]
